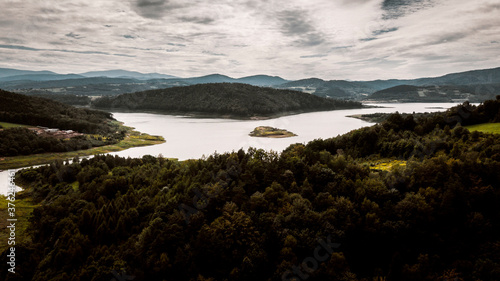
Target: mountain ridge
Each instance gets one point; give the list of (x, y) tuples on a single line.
[(436, 93), (120, 73), (479, 80)]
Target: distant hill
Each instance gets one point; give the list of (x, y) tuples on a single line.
[(256, 80), (25, 78), (222, 99), (93, 86), (477, 82), (446, 93), (101, 85), (212, 78), (474, 77), (335, 88), (118, 73), (66, 82), (378, 85), (309, 83), (262, 80), (6, 72)]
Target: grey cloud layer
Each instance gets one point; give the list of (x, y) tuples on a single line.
[(154, 9), (398, 8), (15, 47), (296, 23), (356, 39)]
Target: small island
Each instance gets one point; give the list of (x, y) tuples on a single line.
[(270, 132)]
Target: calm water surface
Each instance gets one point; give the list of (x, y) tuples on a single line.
[(190, 138)]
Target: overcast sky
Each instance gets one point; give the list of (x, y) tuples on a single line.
[(294, 39)]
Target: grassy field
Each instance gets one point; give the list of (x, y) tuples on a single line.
[(492, 128), (23, 209), (386, 164), (133, 139), (6, 125)]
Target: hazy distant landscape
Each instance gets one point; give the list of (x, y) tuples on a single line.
[(474, 86)]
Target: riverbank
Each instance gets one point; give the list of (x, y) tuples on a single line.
[(132, 139)]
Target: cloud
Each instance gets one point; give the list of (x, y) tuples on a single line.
[(447, 38), (198, 20), (176, 44), (314, 56), (213, 53), (296, 24), (399, 8), (16, 47), (74, 35), (11, 40), (333, 39), (154, 9), (341, 47), (382, 31), (312, 39)]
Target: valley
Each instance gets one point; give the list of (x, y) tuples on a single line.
[(412, 178)]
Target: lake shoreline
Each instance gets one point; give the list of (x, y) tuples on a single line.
[(201, 115), (133, 139)]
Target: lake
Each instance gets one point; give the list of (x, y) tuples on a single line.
[(192, 138)]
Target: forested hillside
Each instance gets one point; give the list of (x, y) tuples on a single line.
[(37, 111), (65, 98), (236, 100), (435, 93), (321, 211)]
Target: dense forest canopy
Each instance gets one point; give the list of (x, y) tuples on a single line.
[(233, 99), (79, 100), (319, 211)]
